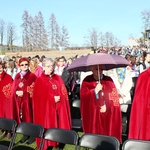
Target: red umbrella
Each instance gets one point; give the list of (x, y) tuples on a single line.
[(109, 61)]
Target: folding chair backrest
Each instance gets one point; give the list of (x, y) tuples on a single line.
[(7, 124), (61, 136), (76, 122), (136, 145), (30, 129), (10, 126), (99, 142)]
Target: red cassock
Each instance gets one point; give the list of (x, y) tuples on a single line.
[(108, 123), (5, 92), (139, 127), (23, 104), (46, 111)]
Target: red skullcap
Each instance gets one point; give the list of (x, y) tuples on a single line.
[(23, 59)]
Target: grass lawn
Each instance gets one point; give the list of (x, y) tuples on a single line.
[(32, 146), (24, 146)]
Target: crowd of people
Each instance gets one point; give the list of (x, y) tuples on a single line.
[(36, 94), (40, 90)]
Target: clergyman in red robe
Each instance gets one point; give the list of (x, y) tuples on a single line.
[(139, 127), (5, 92), (100, 108), (22, 91), (50, 101)]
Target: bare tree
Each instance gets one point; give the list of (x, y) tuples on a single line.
[(11, 35), (117, 42), (57, 37), (26, 38), (33, 33), (106, 36), (101, 39), (64, 38), (43, 33), (110, 40), (2, 30), (93, 37), (40, 32), (146, 19), (52, 32), (96, 38)]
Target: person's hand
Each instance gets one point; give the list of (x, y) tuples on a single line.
[(19, 93), (57, 99), (121, 96), (98, 88), (103, 108)]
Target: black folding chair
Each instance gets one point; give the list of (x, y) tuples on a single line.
[(61, 136), (76, 103), (28, 129), (10, 126), (136, 145), (99, 142), (76, 122)]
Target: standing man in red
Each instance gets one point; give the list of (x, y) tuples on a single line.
[(5, 92), (50, 101), (22, 91), (100, 108), (139, 127)]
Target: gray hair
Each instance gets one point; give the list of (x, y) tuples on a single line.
[(46, 60)]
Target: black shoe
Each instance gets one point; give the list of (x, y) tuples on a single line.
[(61, 146), (30, 140), (24, 139), (50, 148)]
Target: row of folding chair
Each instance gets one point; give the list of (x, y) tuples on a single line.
[(56, 135), (101, 142), (24, 128), (36, 131), (92, 141)]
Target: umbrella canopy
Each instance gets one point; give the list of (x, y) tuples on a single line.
[(109, 61)]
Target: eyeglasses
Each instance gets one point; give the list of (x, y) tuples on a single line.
[(24, 65), (50, 66)]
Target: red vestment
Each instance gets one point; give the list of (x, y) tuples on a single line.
[(108, 123), (46, 112), (139, 127), (5, 92), (23, 104)]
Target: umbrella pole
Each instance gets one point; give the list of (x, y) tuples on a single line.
[(97, 96), (99, 78)]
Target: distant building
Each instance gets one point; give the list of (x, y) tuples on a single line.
[(133, 42)]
